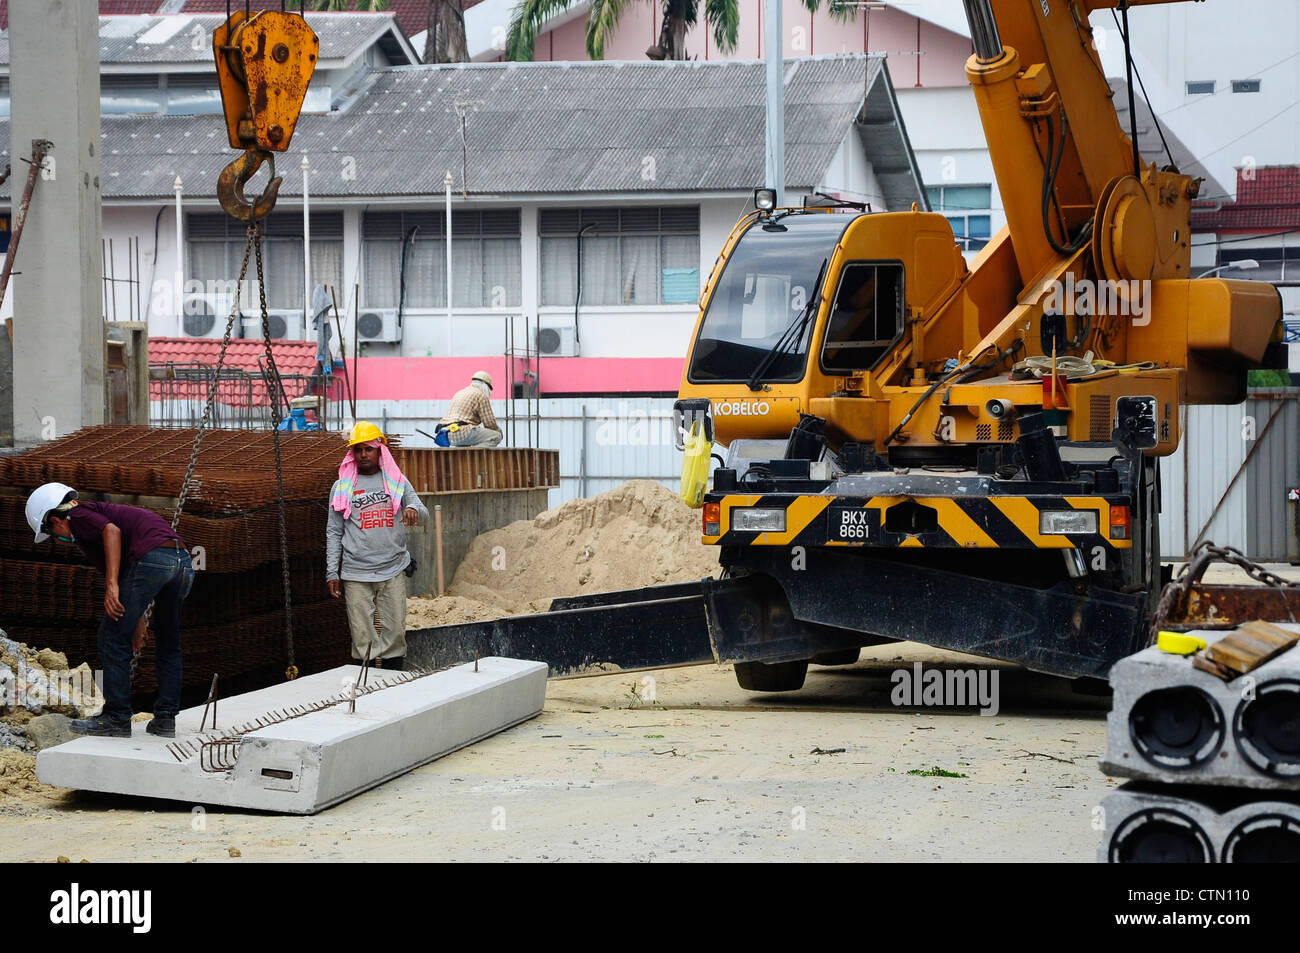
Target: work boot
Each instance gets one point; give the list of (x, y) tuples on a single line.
[(162, 727), (102, 725)]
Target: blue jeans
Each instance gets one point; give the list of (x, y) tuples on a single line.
[(164, 577)]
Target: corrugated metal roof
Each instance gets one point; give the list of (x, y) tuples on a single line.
[(106, 7), (183, 38), (412, 15), (544, 128)]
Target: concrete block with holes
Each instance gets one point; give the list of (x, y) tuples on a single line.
[(302, 763), (1158, 823), (1172, 722)]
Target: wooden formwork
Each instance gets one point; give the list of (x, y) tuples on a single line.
[(462, 469)]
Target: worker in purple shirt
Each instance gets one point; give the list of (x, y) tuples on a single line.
[(143, 561)]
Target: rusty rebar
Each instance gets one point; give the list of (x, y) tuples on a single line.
[(40, 149)]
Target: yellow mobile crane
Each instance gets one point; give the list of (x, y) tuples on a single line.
[(915, 449), (963, 456)]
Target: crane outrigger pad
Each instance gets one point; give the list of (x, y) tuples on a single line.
[(1068, 629), (655, 627)]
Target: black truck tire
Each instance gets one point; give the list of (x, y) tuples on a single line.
[(771, 676)]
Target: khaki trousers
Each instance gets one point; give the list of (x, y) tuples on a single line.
[(475, 435), (389, 599)]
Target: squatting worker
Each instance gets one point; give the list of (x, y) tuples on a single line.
[(470, 421), (143, 561), (364, 528)]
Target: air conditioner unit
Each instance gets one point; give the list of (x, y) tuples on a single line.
[(378, 324), (286, 324), (204, 315), (556, 342)]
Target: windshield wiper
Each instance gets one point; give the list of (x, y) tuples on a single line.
[(793, 332)]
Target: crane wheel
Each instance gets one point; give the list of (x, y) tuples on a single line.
[(771, 676)]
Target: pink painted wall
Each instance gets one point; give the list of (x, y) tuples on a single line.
[(569, 42), (438, 378), (941, 60)]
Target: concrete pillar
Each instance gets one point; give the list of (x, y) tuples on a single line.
[(58, 325)]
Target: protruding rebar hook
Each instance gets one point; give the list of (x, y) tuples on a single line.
[(233, 178)]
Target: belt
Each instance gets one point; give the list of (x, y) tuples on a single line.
[(174, 544), (456, 423)]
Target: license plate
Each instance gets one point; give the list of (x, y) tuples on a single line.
[(853, 524)]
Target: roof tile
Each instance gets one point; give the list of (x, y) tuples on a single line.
[(1268, 199)]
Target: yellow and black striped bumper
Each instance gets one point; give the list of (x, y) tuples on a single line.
[(983, 522)]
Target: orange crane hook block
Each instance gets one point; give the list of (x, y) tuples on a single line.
[(264, 65)]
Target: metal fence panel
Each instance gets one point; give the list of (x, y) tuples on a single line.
[(1216, 488), (1270, 472), (603, 441)]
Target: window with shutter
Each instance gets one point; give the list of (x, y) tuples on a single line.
[(630, 256), (407, 250), (215, 245)]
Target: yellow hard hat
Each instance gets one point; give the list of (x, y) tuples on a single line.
[(364, 432)]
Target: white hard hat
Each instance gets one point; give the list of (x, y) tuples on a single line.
[(483, 376), (43, 499)]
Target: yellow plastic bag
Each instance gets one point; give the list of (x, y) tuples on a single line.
[(695, 466)]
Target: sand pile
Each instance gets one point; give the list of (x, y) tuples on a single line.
[(18, 778), (41, 682), (35, 683), (638, 534), (422, 613)]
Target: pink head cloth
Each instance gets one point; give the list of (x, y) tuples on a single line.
[(394, 481)]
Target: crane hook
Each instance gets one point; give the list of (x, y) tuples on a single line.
[(233, 178)]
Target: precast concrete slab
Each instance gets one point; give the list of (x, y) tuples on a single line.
[(1169, 721), (1160, 823), (299, 747)]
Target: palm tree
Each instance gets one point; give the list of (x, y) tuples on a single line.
[(444, 41), (678, 17), (444, 38), (361, 6)]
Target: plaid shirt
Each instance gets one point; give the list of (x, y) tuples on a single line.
[(471, 406)]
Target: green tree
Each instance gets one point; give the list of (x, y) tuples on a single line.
[(361, 6), (679, 16), (444, 39)]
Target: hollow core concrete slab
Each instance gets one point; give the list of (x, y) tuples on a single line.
[(305, 764)]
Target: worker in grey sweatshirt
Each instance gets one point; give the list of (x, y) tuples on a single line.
[(371, 504)]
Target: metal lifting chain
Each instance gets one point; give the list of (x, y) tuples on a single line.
[(1194, 569), (274, 389), (254, 238)]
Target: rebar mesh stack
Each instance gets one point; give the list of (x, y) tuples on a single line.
[(233, 621)]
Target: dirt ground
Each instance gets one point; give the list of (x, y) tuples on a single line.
[(706, 771)]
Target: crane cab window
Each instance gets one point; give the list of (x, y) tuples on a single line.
[(757, 311), (866, 319)]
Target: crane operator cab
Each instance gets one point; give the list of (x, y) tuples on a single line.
[(808, 303)]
